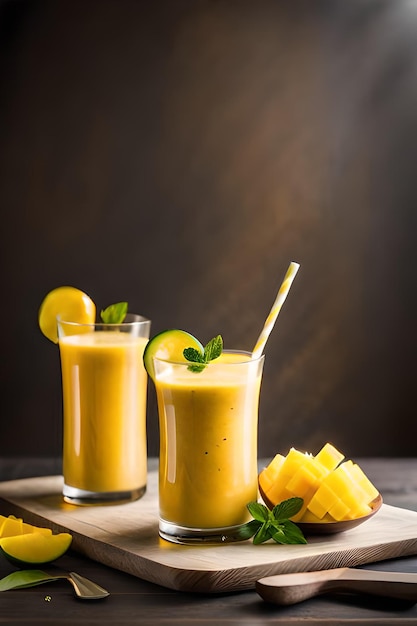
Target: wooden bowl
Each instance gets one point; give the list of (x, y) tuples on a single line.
[(330, 528)]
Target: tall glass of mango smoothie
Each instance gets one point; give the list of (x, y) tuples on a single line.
[(104, 405), (208, 446)]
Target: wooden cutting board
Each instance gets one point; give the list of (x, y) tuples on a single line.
[(126, 537)]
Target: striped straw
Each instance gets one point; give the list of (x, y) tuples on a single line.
[(276, 308)]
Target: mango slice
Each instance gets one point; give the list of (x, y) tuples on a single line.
[(12, 526), (23, 543), (35, 548), (332, 489)]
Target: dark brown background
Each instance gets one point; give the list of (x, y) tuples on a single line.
[(179, 154)]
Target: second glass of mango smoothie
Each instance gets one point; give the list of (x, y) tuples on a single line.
[(208, 446), (104, 397)]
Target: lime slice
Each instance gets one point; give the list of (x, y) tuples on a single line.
[(169, 345), (35, 548), (71, 304)]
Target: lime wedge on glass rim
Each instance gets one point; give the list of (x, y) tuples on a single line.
[(71, 304), (169, 345)]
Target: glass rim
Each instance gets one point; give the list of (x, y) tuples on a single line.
[(139, 319), (215, 361)]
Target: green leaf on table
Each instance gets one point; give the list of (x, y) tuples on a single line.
[(25, 578), (115, 313)]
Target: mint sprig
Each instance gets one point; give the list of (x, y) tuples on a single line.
[(212, 350), (273, 524), (115, 313)]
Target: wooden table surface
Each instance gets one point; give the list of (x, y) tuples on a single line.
[(133, 601)]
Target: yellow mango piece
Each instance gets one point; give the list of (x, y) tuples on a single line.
[(35, 548), (329, 457), (277, 494), (293, 461), (363, 481), (306, 481), (349, 492), (339, 510), (322, 501), (11, 527), (303, 484), (270, 473), (311, 518), (275, 465), (265, 480)]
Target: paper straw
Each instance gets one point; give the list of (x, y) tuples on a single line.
[(276, 308)]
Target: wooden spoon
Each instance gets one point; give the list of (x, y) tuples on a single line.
[(293, 588)]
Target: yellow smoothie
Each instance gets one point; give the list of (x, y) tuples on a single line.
[(208, 441), (104, 393)]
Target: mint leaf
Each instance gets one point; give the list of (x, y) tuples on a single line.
[(263, 534), (115, 313), (191, 354), (195, 356), (248, 530), (197, 367), (287, 533), (213, 349), (286, 509), (273, 524), (258, 511), (25, 578)]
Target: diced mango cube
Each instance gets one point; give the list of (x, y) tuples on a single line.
[(265, 480), (322, 500), (276, 464), (339, 510), (293, 461), (303, 483), (329, 457), (352, 494), (277, 493), (361, 479)]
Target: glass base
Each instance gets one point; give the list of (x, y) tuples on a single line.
[(72, 495), (194, 536)]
